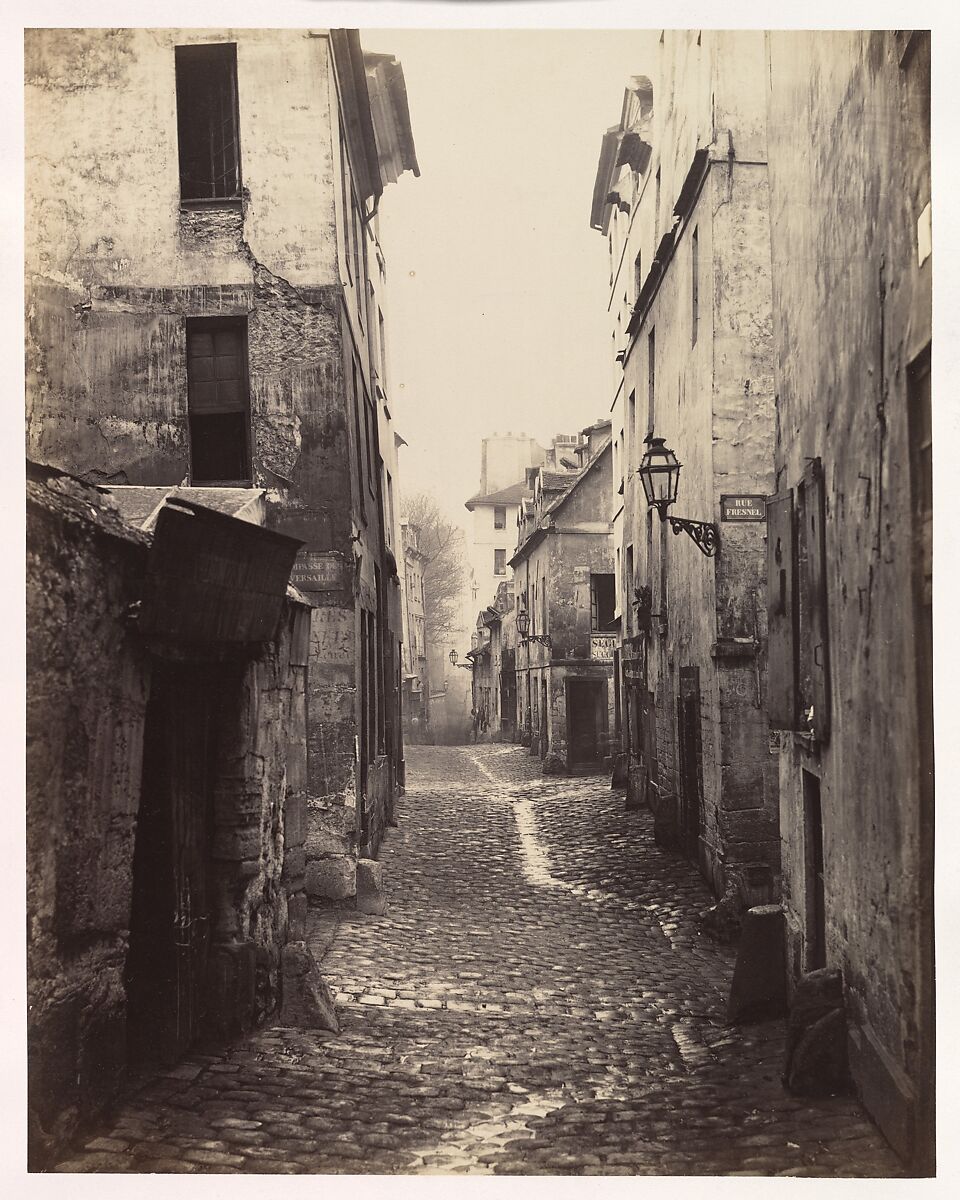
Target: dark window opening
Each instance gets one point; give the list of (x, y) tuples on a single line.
[(651, 377), (695, 284), (499, 516), (218, 400), (499, 562), (816, 922), (603, 603), (207, 124)]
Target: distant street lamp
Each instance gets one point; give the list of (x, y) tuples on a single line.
[(659, 473), (453, 656)]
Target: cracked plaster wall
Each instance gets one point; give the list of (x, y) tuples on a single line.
[(849, 179)]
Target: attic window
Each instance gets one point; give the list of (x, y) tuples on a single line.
[(207, 122)]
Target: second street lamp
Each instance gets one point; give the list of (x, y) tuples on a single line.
[(659, 473)]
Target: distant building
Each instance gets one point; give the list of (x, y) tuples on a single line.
[(564, 595), (416, 677), (680, 197), (850, 545), (205, 306)]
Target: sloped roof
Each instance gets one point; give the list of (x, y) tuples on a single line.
[(139, 505), (508, 495), (573, 482)]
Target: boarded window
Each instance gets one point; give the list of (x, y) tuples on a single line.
[(499, 516), (218, 400), (603, 599), (207, 122), (499, 562)]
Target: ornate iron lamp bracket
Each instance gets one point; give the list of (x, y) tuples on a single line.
[(704, 533)]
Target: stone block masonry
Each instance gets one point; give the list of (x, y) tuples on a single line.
[(173, 777)]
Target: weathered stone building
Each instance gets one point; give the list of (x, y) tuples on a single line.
[(166, 783), (681, 196), (564, 590), (849, 540), (416, 677), (204, 297)]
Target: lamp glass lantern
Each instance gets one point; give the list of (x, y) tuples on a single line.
[(523, 622), (659, 473), (453, 656)]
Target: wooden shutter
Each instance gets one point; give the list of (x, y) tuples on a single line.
[(811, 546), (781, 614)]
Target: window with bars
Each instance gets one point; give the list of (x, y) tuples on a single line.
[(218, 400), (207, 122)]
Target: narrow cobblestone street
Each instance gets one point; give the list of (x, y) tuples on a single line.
[(536, 1001)]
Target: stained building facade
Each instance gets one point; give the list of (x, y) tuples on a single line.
[(564, 608), (849, 544), (681, 196), (205, 307)]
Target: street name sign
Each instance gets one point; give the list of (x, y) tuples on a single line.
[(743, 508)]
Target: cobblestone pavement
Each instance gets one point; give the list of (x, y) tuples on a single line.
[(536, 1001)]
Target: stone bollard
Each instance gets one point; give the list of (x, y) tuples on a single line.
[(307, 1002), (370, 896), (817, 1037), (759, 988)]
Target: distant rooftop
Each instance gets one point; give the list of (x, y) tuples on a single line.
[(509, 495)]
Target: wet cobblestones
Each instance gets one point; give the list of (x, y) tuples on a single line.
[(537, 1000)]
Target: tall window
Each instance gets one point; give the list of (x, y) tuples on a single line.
[(218, 399), (603, 602), (651, 377), (637, 276), (695, 284), (632, 428), (207, 122), (499, 562), (499, 516)]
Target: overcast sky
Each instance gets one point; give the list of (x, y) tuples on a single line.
[(497, 285)]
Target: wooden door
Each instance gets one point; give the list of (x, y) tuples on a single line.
[(170, 918)]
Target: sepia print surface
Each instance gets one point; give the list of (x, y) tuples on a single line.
[(479, 516)]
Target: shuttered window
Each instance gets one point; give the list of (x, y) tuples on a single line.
[(813, 661), (798, 664), (218, 400), (781, 614)]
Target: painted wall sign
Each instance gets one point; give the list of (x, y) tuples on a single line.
[(315, 569), (602, 647), (743, 508)]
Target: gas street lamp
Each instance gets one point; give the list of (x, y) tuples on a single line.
[(659, 473), (453, 656), (523, 628)]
